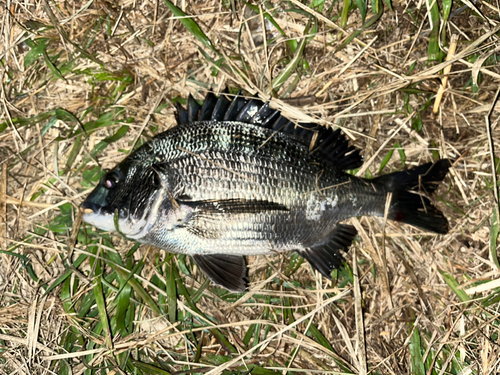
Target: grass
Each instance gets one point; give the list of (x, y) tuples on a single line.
[(85, 83)]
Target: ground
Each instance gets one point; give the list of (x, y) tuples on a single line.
[(83, 83)]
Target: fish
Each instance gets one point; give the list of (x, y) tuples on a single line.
[(235, 177)]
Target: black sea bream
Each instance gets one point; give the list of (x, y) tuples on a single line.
[(236, 178)]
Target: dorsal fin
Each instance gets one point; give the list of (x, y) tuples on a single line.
[(331, 144)]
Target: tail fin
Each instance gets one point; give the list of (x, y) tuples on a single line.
[(412, 208)]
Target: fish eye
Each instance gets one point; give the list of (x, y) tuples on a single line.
[(111, 179)]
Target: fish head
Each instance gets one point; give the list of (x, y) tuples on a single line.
[(126, 199)]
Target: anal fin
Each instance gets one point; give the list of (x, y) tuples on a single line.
[(327, 257), (228, 271)]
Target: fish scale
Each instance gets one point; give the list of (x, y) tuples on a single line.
[(205, 181), (236, 178), (235, 137)]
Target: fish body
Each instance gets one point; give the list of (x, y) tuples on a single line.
[(236, 178)]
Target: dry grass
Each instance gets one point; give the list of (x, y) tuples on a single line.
[(415, 303)]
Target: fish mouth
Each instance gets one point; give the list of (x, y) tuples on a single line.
[(88, 208), (86, 211), (93, 214)]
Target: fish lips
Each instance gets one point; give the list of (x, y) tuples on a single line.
[(88, 207), (96, 203), (94, 214)]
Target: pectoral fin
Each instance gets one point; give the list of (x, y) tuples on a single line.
[(325, 258), (233, 206), (228, 271), (214, 211)]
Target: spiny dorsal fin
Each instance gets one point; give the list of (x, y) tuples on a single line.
[(331, 144)]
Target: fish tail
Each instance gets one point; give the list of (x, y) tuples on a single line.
[(412, 208)]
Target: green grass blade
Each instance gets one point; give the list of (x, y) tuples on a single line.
[(494, 237), (366, 25), (105, 120), (51, 66), (345, 13), (64, 115), (103, 314), (99, 299), (385, 160), (37, 50), (138, 288), (30, 121), (361, 4), (66, 273), (492, 299), (248, 335), (257, 370), (48, 125), (66, 296), (433, 51), (401, 151), (148, 368), (85, 305), (446, 4), (256, 334), (123, 303), (319, 337), (452, 206), (172, 292), (75, 150), (191, 25), (25, 261), (292, 65), (453, 284), (317, 5), (417, 362)]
